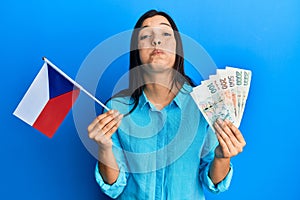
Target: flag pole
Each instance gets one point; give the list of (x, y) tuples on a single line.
[(75, 83)]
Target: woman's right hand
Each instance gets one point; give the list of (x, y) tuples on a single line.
[(103, 127)]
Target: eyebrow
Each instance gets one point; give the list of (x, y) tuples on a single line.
[(160, 24), (165, 24)]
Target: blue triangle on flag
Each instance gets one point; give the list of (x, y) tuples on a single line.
[(58, 84)]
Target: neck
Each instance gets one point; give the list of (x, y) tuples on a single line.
[(160, 95), (159, 87)]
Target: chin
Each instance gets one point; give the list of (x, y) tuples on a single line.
[(156, 67)]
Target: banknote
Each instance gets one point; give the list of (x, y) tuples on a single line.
[(237, 74), (204, 102), (223, 80), (242, 82), (246, 83), (211, 101), (223, 95), (232, 87), (222, 100)]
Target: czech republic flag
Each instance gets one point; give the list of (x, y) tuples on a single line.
[(47, 101)]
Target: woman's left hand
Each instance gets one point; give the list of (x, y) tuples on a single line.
[(231, 140)]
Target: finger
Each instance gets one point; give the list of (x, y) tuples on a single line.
[(110, 112), (93, 129), (237, 133), (114, 128), (227, 140), (228, 131), (235, 147), (101, 139), (96, 131), (97, 119), (103, 126), (98, 128), (223, 146), (107, 128), (92, 125), (106, 120)]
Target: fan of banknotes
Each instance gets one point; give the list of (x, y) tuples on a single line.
[(223, 95)]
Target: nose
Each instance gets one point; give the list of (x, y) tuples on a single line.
[(156, 41)]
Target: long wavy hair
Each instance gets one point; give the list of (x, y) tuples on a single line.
[(136, 82)]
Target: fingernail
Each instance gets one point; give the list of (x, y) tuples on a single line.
[(215, 125), (116, 113)]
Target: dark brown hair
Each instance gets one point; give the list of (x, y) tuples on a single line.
[(136, 84)]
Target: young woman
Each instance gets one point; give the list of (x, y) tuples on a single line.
[(154, 143)]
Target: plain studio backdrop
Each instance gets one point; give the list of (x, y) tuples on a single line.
[(263, 36)]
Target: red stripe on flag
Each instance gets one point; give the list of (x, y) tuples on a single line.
[(54, 112)]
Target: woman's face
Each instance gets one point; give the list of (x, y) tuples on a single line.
[(157, 44)]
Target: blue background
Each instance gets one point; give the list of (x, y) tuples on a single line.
[(263, 36)]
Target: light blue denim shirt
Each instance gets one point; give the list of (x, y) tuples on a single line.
[(163, 154)]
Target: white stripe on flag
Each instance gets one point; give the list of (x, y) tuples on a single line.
[(35, 98)]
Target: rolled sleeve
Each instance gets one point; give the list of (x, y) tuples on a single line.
[(115, 189), (220, 187)]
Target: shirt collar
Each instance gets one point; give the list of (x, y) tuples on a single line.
[(144, 100), (179, 98), (182, 94)]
